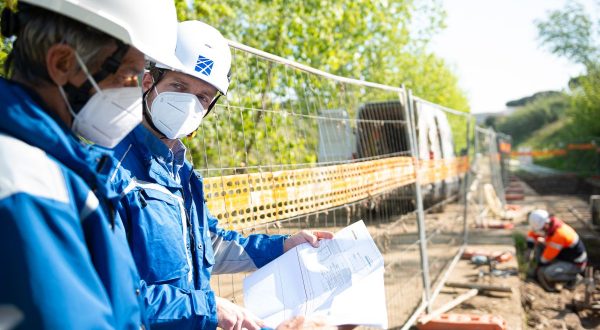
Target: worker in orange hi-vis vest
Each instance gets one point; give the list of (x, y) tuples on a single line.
[(559, 252)]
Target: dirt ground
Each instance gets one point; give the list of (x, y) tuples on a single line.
[(565, 197), (528, 306), (506, 305)]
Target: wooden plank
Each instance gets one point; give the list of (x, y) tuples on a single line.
[(480, 287), (449, 305)]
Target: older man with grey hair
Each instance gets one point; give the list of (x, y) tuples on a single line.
[(72, 73)]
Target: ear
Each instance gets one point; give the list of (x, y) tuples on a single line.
[(147, 81), (61, 63)]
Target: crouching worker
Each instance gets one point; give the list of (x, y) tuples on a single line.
[(176, 243), (558, 250), (73, 68)]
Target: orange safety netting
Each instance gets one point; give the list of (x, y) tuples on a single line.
[(504, 147), (556, 152), (246, 200), (581, 146)]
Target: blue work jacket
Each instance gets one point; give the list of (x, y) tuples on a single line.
[(64, 259), (175, 241)]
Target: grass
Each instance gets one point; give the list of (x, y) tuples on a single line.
[(558, 135), (578, 162), (550, 136), (520, 246)]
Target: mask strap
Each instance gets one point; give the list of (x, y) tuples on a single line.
[(212, 104), (64, 96), (78, 96), (90, 81), (110, 66), (154, 83), (146, 111)]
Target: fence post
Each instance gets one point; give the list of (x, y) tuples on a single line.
[(412, 138), (467, 185), (495, 166), (477, 168)]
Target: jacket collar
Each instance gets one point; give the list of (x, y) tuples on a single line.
[(28, 119), (163, 165), (555, 223)]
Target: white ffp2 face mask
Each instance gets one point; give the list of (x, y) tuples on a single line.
[(176, 115), (109, 115)]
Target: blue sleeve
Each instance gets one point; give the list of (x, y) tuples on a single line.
[(235, 253), (232, 252), (47, 272)]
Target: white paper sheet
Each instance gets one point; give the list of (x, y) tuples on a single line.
[(341, 281)]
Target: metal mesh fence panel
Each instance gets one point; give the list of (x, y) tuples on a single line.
[(294, 148), (442, 151), (491, 169)]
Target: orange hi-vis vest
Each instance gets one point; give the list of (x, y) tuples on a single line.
[(561, 243)]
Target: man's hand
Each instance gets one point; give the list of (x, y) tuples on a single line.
[(234, 317), (306, 236)]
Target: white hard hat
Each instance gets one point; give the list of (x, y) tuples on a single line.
[(203, 53), (148, 25), (537, 219)]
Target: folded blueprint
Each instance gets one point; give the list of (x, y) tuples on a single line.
[(341, 282)]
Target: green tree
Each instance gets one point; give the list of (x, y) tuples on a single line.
[(380, 41), (542, 109), (571, 33), (4, 45)]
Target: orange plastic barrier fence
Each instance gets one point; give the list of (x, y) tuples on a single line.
[(581, 146), (463, 321), (556, 152), (539, 153), (246, 200), (504, 147)]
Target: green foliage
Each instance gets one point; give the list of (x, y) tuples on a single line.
[(520, 246), (4, 45), (532, 116), (380, 41), (571, 33), (363, 39), (551, 136), (490, 121), (558, 135), (586, 103), (528, 99), (580, 162)]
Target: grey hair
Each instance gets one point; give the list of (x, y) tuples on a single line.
[(39, 30)]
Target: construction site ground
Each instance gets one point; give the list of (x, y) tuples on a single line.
[(528, 306)]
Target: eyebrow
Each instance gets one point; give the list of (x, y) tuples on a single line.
[(129, 69), (179, 81)]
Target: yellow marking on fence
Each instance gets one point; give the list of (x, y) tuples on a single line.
[(246, 200)]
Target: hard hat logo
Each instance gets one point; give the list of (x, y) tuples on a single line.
[(204, 53), (204, 65)]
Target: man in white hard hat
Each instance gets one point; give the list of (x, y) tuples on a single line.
[(73, 70), (560, 253), (176, 243)]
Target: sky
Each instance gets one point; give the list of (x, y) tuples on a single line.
[(493, 48)]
